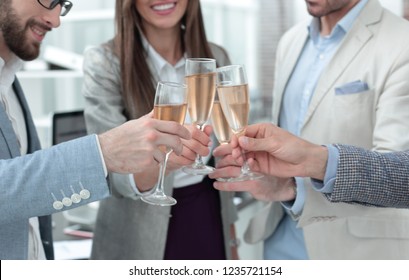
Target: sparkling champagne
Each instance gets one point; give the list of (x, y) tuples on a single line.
[(221, 127), (235, 103), (201, 92), (167, 112)]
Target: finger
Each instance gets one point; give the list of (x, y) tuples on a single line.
[(234, 141), (200, 136), (225, 172), (188, 153), (179, 160), (237, 154), (171, 141), (208, 129), (186, 157), (227, 161), (232, 186), (253, 130), (252, 144), (222, 150), (199, 143), (173, 128), (252, 164), (175, 163), (158, 156), (197, 148)]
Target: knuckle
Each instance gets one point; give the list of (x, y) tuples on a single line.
[(152, 136)]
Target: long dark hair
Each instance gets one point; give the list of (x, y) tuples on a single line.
[(138, 83)]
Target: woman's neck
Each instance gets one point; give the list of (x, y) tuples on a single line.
[(167, 43)]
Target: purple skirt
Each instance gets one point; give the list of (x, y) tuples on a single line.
[(195, 228)]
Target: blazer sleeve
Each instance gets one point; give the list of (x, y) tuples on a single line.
[(220, 54), (103, 103), (30, 184), (372, 178)]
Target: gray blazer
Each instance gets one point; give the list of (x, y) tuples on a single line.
[(367, 177), (29, 182), (145, 225)]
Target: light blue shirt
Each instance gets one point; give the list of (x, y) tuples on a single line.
[(327, 185), (287, 242)]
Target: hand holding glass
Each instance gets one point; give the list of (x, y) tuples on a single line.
[(232, 88), (170, 105), (201, 85)]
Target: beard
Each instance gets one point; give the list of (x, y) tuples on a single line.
[(15, 35), (331, 6)]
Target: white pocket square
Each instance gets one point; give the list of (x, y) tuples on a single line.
[(352, 87)]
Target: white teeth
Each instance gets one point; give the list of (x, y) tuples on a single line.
[(163, 7), (37, 31)]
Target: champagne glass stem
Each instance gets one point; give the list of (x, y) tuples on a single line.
[(245, 168), (199, 161), (198, 167), (159, 197), (162, 170)]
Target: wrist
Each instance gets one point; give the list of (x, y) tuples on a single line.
[(318, 162), (291, 189)]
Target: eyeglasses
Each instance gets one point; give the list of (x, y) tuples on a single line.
[(51, 4)]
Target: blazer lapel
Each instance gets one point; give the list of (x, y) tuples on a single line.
[(7, 132), (287, 65), (351, 46), (33, 142)]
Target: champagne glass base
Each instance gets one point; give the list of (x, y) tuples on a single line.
[(246, 177), (161, 200), (198, 170), (226, 179)]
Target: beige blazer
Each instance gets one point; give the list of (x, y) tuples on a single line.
[(145, 225), (375, 52)]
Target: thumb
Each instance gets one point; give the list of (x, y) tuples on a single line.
[(253, 144)]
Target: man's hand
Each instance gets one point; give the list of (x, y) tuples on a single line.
[(135, 145), (274, 151)]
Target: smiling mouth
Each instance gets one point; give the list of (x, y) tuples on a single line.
[(38, 31), (164, 7)]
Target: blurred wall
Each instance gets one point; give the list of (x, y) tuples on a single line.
[(248, 29)]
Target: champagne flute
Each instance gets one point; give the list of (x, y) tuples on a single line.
[(170, 105), (221, 127), (201, 85), (232, 87)]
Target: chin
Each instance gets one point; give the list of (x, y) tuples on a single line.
[(29, 54)]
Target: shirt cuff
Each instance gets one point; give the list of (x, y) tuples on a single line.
[(102, 156), (296, 206), (327, 185), (135, 188)]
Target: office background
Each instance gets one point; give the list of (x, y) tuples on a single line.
[(248, 29)]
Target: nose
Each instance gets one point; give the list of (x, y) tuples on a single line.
[(52, 17)]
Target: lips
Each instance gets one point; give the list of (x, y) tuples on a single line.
[(163, 7), (38, 31)]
